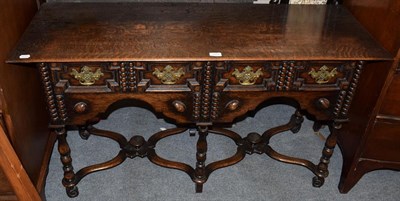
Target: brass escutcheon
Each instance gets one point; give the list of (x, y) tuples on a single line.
[(86, 76), (247, 76), (168, 75), (322, 75)]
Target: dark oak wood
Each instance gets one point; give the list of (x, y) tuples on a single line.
[(375, 145), (134, 32), (22, 112), (157, 56)]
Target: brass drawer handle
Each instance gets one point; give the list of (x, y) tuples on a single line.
[(168, 75), (322, 75), (247, 76), (86, 76)]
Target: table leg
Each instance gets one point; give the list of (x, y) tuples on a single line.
[(322, 167), (69, 176), (201, 156)]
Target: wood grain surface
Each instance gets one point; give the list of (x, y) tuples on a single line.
[(68, 32)]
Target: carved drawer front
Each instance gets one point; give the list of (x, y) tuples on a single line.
[(283, 76), (243, 76), (169, 76), (323, 75), (83, 77)]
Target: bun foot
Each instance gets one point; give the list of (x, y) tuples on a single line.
[(72, 191), (318, 181)]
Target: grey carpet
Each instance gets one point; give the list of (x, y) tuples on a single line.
[(257, 177)]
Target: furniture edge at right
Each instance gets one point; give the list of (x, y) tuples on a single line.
[(375, 144)]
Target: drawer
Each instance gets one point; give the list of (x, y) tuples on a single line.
[(284, 76), (125, 76), (320, 87), (84, 77), (384, 140), (169, 76)]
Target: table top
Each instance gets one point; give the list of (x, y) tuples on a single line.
[(76, 32)]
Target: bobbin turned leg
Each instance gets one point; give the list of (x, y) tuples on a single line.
[(296, 119), (322, 168), (69, 176), (201, 156)]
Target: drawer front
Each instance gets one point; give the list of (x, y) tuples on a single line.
[(199, 91), (284, 76), (83, 77), (125, 77), (384, 140)]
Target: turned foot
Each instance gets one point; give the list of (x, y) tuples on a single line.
[(318, 181), (72, 191)]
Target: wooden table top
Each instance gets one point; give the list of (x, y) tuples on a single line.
[(72, 32)]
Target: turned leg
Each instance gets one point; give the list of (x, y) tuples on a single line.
[(296, 119), (322, 168), (201, 157), (69, 175)]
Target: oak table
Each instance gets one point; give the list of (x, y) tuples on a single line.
[(197, 65)]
